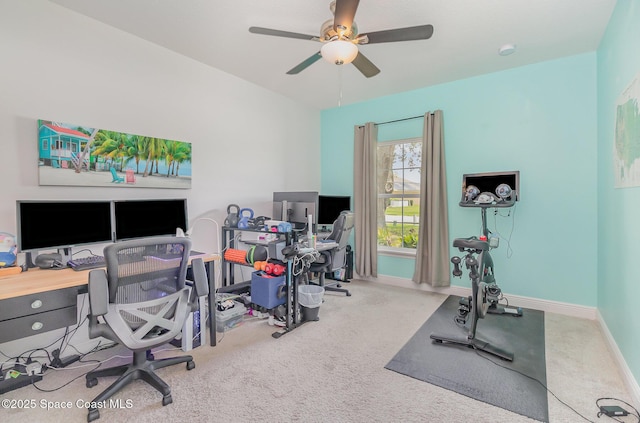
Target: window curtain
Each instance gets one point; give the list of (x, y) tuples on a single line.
[(365, 200), (432, 255)]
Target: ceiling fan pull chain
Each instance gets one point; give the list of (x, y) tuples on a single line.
[(339, 86)]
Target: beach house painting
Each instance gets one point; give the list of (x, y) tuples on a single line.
[(81, 156)]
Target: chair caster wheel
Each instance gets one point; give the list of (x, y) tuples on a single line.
[(91, 383), (191, 365), (166, 400), (438, 341), (348, 294), (94, 414)]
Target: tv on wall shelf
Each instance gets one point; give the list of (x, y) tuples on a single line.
[(490, 189)]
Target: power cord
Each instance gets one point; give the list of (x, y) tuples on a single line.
[(513, 224), (600, 413)]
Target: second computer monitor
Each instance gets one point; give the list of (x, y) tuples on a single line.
[(295, 207), (330, 207), (144, 218)]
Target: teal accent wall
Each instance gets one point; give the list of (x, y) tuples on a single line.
[(539, 119), (618, 63)]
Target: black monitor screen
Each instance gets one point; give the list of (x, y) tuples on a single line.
[(330, 206), (61, 224), (143, 218)]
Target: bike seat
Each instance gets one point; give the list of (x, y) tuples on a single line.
[(472, 242)]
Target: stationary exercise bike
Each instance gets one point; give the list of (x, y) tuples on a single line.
[(485, 293), (494, 293)]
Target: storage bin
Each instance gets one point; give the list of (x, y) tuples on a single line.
[(230, 318), (266, 290)]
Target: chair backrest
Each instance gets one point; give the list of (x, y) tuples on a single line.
[(147, 294), (157, 263), (341, 232)]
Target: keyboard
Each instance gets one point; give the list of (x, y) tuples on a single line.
[(85, 263)]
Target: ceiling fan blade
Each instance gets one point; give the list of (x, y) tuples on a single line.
[(305, 64), (365, 66), (344, 15), (422, 32), (278, 33)]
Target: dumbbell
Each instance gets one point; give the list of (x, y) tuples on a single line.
[(456, 266), (274, 269)]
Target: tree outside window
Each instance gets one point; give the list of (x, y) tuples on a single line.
[(399, 165)]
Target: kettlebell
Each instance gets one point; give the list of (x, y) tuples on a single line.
[(232, 216), (243, 223)]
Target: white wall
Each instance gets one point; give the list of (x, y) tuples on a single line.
[(59, 65)]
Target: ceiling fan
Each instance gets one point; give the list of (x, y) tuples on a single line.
[(340, 39)]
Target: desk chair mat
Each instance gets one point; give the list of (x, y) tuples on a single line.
[(467, 372)]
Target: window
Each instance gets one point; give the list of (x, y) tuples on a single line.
[(398, 182)]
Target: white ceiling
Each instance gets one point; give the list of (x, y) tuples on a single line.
[(465, 43)]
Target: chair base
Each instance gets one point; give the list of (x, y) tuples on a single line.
[(337, 289), (333, 287), (141, 368)]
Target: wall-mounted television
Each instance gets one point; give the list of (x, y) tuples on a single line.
[(45, 225), (145, 218), (490, 189)]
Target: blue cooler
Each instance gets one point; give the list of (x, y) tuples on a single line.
[(266, 290)]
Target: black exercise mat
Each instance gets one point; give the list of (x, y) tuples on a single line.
[(468, 372)]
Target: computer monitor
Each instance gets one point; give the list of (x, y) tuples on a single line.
[(144, 218), (295, 207), (330, 207), (43, 225)]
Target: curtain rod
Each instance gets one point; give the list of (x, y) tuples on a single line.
[(394, 121)]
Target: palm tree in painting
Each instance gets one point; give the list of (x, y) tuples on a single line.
[(135, 150), (85, 148), (154, 149), (111, 145), (169, 156), (176, 153), (182, 154)]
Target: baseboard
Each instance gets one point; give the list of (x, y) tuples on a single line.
[(627, 376), (549, 306)]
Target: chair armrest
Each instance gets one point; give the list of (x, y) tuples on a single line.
[(98, 292), (200, 281)]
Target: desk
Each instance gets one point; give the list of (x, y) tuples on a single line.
[(27, 296)]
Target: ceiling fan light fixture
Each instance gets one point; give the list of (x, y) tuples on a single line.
[(339, 52)]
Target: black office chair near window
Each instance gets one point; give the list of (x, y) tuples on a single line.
[(142, 301), (335, 258)]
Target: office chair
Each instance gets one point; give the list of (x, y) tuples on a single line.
[(142, 301), (336, 258)]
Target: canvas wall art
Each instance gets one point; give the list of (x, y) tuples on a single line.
[(626, 145), (76, 155)]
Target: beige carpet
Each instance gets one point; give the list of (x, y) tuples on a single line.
[(333, 371)]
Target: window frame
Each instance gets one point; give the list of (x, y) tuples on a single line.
[(397, 251)]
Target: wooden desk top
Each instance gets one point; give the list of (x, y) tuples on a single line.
[(38, 280)]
